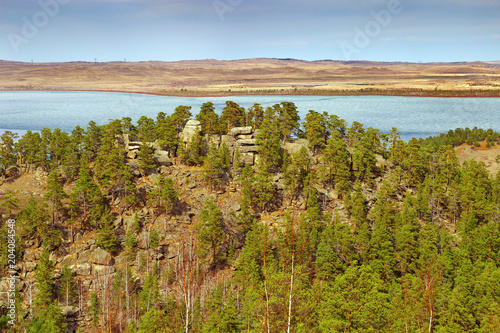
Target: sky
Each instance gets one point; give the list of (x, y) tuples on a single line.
[(171, 30)]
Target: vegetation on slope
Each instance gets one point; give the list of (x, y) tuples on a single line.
[(372, 234)]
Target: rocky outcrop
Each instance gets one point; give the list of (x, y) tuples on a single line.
[(161, 157), (192, 127)]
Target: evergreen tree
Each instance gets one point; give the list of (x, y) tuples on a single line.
[(288, 116), (150, 294), (145, 129), (7, 152), (146, 158), (316, 129), (232, 115), (55, 194), (106, 237), (335, 168), (47, 313), (180, 117), (67, 287), (255, 114), (356, 302), (210, 232), (33, 219), (222, 312), (268, 141), (208, 118)]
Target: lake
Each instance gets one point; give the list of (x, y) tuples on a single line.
[(413, 116)]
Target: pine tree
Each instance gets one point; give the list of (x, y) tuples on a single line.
[(232, 115), (269, 142), (145, 129), (47, 313), (257, 113), (9, 202), (33, 219), (335, 168), (315, 127), (146, 158), (55, 194), (7, 156), (210, 232), (356, 302), (222, 312), (208, 118), (150, 293), (67, 287), (180, 117), (106, 237), (288, 116)]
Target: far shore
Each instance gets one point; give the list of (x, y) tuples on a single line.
[(361, 92), (213, 78)]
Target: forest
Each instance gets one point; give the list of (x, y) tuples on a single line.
[(354, 231)]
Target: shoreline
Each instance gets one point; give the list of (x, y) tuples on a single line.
[(296, 92)]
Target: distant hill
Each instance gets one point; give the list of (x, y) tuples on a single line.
[(257, 76)]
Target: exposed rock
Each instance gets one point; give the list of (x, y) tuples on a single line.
[(83, 269), (155, 145), (192, 127), (12, 171), (213, 139), (235, 131), (69, 260), (84, 256), (70, 311), (228, 140), (247, 142), (118, 221), (30, 266), (162, 158), (29, 256), (104, 270), (294, 147), (132, 154), (245, 136), (247, 159), (78, 237), (101, 257), (248, 149)]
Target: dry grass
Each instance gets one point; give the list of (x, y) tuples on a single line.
[(488, 156), (262, 76)]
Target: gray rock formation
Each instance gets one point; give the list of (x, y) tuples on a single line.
[(192, 127)]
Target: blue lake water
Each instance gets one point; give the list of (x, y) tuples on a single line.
[(412, 116)]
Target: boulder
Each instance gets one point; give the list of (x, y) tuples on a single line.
[(83, 269), (104, 270), (155, 145), (247, 159), (101, 257), (12, 171), (132, 154), (162, 158), (30, 266), (248, 149), (294, 147), (84, 256), (70, 311), (235, 131), (213, 139), (247, 142), (69, 260), (192, 127)]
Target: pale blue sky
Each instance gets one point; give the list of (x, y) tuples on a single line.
[(168, 30)]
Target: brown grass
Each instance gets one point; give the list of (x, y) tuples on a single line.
[(257, 76)]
